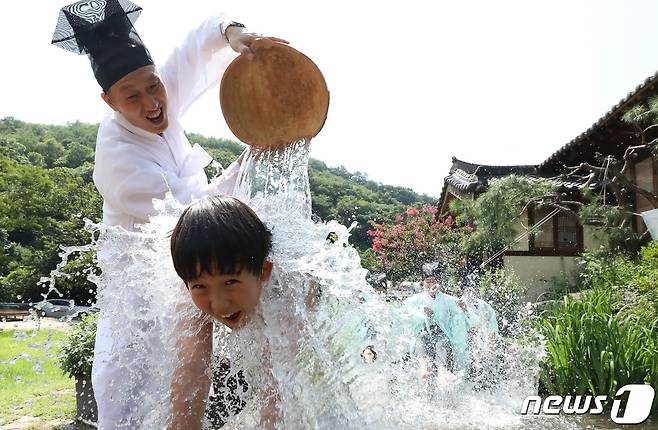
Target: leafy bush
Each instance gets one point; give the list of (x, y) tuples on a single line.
[(637, 278), (495, 213), (77, 353), (607, 335)]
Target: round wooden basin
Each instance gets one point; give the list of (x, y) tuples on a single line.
[(275, 98)]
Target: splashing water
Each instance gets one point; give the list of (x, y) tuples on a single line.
[(317, 315)]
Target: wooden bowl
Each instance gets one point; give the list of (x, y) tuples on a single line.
[(275, 98)]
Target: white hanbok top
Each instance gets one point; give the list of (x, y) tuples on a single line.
[(134, 166)]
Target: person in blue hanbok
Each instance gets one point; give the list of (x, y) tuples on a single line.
[(484, 345), (437, 323)]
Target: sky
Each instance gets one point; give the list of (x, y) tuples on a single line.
[(412, 83)]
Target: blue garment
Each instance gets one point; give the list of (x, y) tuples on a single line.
[(446, 313)]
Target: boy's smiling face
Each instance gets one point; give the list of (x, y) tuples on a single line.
[(229, 298), (141, 98)]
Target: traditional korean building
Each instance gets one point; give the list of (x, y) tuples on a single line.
[(540, 259)]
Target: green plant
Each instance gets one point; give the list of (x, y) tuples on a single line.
[(77, 353), (495, 214), (593, 349), (607, 336)]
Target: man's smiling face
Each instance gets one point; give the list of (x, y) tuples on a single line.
[(141, 98)]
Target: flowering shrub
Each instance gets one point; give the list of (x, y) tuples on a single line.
[(415, 238)]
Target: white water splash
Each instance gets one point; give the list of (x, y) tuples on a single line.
[(317, 315)]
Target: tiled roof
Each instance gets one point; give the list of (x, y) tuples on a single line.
[(558, 181), (474, 178), (641, 92), (462, 180)]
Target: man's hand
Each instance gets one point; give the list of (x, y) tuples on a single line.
[(241, 41)]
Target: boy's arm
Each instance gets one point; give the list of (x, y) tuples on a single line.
[(196, 65), (270, 414), (191, 383)]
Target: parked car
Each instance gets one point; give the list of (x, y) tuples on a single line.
[(58, 308)]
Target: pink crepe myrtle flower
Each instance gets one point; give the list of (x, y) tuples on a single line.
[(412, 212)]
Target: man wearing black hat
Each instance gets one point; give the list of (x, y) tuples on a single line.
[(141, 149)]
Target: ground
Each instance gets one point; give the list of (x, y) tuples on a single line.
[(34, 393)]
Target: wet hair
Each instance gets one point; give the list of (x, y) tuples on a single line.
[(372, 349), (219, 235), (433, 270)]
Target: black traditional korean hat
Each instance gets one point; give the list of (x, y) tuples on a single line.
[(103, 30)]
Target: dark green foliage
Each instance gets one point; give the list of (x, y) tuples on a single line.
[(46, 192), (644, 116), (346, 197), (607, 336), (41, 210), (77, 353), (495, 213)]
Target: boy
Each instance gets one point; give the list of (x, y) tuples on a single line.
[(142, 151), (219, 249)]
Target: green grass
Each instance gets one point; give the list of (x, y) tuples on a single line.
[(31, 382)]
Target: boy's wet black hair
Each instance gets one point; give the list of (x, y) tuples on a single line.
[(219, 235)]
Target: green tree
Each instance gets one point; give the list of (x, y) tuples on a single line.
[(495, 213), (51, 150), (41, 210), (75, 155)]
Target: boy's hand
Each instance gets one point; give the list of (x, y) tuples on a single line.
[(241, 41)]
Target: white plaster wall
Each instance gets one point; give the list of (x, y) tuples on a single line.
[(519, 229), (539, 273), (590, 242), (644, 179)]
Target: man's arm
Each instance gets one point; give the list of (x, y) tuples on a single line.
[(130, 180), (196, 65), (199, 62)]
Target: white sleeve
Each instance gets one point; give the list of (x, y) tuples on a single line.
[(196, 65), (225, 184), (139, 183), (130, 180)]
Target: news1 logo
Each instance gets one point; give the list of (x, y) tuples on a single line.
[(638, 405)]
